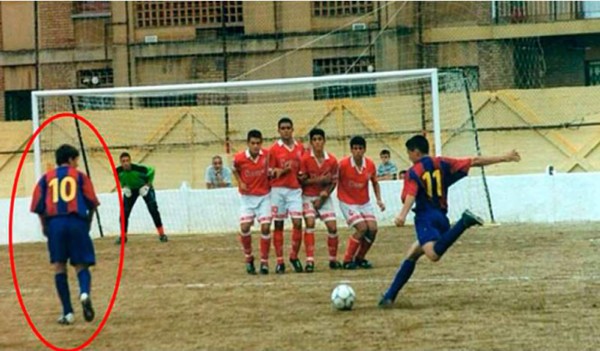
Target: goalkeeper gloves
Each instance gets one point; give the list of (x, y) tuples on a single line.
[(126, 192), (144, 190)]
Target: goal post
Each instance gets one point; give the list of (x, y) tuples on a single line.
[(39, 114), (179, 128)]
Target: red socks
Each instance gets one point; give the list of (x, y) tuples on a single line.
[(278, 244), (332, 246), (296, 243), (265, 243), (309, 244), (351, 249), (246, 241), (365, 244)]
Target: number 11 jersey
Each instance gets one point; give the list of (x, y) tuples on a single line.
[(429, 178)]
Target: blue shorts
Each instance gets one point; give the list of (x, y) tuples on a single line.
[(430, 226), (69, 240)]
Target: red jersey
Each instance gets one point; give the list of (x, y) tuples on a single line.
[(281, 156), (353, 183), (310, 166), (62, 191), (253, 172), (429, 178)]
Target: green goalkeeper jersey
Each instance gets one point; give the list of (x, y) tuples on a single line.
[(135, 178)]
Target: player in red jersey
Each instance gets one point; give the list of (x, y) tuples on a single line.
[(286, 194), (318, 173), (426, 184), (355, 172), (250, 168), (65, 201)]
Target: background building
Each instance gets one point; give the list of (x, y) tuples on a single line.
[(500, 44)]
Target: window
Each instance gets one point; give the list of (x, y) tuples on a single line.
[(343, 65), (341, 8), (188, 13), (591, 9), (169, 101), (17, 105), (592, 76), (91, 9), (95, 78), (457, 85)]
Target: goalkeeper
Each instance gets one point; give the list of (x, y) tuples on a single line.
[(136, 180)]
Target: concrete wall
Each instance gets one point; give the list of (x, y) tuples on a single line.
[(534, 198)]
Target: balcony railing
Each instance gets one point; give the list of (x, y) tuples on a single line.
[(481, 13), (509, 12)]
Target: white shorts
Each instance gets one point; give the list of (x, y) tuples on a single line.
[(284, 201), (253, 206), (326, 212), (357, 213)]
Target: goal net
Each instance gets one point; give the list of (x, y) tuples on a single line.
[(179, 128)]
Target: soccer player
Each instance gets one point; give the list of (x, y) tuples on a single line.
[(250, 168), (318, 174), (286, 194), (65, 201), (426, 184), (136, 180), (355, 172)]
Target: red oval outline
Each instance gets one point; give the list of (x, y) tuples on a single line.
[(10, 232)]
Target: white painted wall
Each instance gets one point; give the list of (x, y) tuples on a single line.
[(536, 198)]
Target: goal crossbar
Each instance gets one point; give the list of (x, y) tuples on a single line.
[(432, 73)]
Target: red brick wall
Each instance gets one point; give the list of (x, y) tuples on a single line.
[(58, 76), (56, 25)]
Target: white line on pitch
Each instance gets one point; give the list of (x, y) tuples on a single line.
[(320, 282), (367, 281)]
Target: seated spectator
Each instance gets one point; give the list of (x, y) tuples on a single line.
[(216, 175), (387, 170)]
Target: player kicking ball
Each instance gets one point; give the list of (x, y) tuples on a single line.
[(65, 201), (318, 174), (355, 172), (250, 169), (426, 185), (136, 180)]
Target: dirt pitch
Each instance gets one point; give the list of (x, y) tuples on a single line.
[(499, 288)]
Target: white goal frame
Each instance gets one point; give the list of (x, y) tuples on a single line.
[(431, 72)]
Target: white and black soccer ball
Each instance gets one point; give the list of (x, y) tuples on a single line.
[(342, 297)]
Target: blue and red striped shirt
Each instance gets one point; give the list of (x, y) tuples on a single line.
[(429, 178), (62, 191)]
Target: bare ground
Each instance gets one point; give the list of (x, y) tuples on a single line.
[(499, 288)]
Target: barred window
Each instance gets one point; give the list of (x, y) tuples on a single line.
[(341, 8), (95, 78), (343, 65), (188, 13), (169, 101), (339, 65)]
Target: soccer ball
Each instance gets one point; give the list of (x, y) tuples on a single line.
[(342, 297)]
